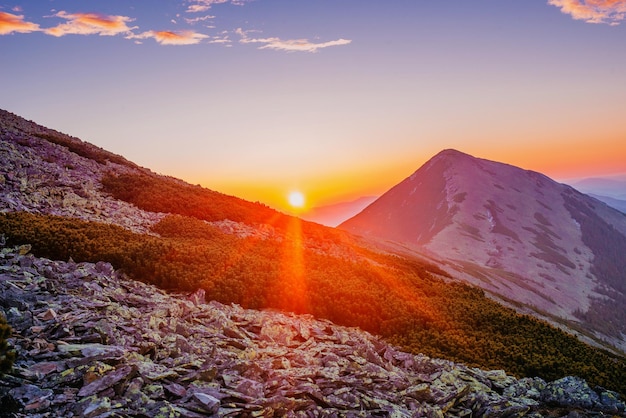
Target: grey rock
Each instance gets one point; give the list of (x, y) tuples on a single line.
[(122, 348), (570, 391), (106, 381), (209, 403)]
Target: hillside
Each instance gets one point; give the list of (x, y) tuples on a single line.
[(515, 233), (100, 344), (66, 199)]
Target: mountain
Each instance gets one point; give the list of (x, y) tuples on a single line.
[(618, 204), (614, 186), (136, 294), (333, 215), (524, 238), (610, 190)]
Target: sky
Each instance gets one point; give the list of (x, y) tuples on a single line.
[(336, 99)]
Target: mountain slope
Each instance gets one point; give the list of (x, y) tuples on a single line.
[(515, 233), (148, 357), (64, 199)]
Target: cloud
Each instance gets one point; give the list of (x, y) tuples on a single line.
[(611, 12), (90, 24), (172, 38), (198, 6), (10, 23), (291, 45), (199, 19)]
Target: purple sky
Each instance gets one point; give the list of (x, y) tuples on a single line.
[(337, 99)]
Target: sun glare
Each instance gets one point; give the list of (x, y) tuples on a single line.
[(296, 199)]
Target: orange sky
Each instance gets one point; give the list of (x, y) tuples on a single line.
[(336, 99)]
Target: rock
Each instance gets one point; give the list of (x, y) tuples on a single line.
[(610, 402), (106, 381), (570, 391), (47, 315), (24, 249), (208, 402), (116, 347), (197, 297)]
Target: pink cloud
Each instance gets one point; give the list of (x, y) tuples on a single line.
[(195, 20), (611, 12), (197, 6), (10, 23), (90, 24), (291, 45), (172, 38)]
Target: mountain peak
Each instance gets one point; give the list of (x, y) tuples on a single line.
[(451, 153), (516, 233)]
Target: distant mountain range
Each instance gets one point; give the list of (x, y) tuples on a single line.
[(333, 215), (610, 190), (518, 234), (613, 186)]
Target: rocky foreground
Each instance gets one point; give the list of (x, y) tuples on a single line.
[(92, 343)]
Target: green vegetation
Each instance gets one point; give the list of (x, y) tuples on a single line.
[(84, 149), (397, 298), (7, 356), (169, 195)]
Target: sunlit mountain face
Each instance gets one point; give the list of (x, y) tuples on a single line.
[(516, 233)]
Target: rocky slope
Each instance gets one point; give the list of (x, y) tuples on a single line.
[(40, 176), (515, 233), (93, 343)]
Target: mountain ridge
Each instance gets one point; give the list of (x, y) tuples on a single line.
[(521, 233)]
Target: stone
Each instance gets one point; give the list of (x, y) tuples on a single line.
[(208, 402), (24, 249), (33, 398), (570, 391), (197, 297), (122, 348), (106, 381)]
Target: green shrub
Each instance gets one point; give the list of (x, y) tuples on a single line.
[(397, 298), (7, 356)]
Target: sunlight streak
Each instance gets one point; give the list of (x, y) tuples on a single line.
[(294, 290)]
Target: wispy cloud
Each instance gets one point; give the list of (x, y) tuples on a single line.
[(90, 24), (195, 20), (197, 6), (611, 12), (172, 38), (10, 23), (81, 23), (290, 45)]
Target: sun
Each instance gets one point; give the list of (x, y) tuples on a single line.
[(296, 199)]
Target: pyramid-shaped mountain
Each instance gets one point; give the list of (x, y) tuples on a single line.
[(518, 234)]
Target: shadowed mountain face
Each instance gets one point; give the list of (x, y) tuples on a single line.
[(516, 233)]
